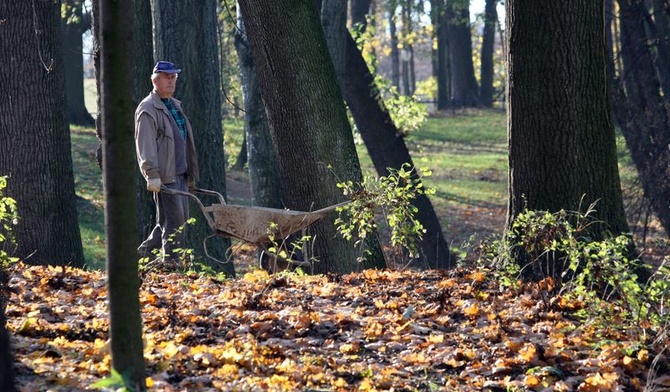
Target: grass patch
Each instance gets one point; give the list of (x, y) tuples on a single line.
[(90, 198)]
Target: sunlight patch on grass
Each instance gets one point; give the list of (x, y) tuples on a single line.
[(90, 197)]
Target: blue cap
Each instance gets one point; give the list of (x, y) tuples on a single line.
[(166, 67)]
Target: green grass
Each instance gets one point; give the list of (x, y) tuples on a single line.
[(90, 198)]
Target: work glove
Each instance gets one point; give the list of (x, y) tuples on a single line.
[(154, 184)]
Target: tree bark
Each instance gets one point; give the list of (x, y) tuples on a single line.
[(118, 158), (387, 149), (562, 150), (464, 89), (488, 41), (195, 51), (263, 173), (641, 109), (34, 134), (73, 28), (441, 68), (308, 122), (144, 62), (334, 23)]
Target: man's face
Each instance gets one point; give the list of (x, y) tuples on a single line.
[(165, 84)]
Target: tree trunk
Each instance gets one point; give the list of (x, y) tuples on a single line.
[(144, 63), (118, 158), (441, 69), (265, 184), (641, 109), (34, 134), (488, 41), (308, 121), (395, 53), (334, 23), (73, 28), (388, 150), (358, 11), (464, 90), (562, 150), (199, 84), (7, 375)]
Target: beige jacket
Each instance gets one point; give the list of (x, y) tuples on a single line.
[(154, 141)]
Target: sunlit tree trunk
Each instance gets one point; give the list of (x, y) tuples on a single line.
[(441, 69), (74, 25), (464, 89), (488, 41), (307, 118), (562, 150), (35, 136)]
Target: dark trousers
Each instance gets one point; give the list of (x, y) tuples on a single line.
[(169, 234)]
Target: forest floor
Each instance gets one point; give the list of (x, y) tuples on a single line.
[(389, 330), (374, 330)]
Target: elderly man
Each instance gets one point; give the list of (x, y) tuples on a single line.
[(167, 158)]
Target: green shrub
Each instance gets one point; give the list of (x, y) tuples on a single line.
[(393, 196), (572, 265), (8, 218)]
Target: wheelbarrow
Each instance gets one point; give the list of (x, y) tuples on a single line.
[(250, 224)]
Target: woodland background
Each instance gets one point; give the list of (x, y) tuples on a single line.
[(261, 82)]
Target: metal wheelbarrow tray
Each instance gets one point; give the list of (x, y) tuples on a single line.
[(253, 224)]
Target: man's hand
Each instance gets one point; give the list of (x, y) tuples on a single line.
[(191, 185), (154, 184)]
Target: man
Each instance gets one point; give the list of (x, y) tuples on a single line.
[(167, 158)]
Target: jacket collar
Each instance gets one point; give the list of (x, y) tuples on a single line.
[(158, 103)]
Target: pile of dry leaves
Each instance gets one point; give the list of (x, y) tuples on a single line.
[(373, 330)]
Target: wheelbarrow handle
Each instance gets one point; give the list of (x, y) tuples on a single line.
[(197, 201), (222, 200)]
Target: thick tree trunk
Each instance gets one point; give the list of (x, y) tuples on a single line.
[(74, 66), (195, 51), (144, 63), (308, 122), (388, 150), (118, 158), (34, 134), (641, 110), (562, 150), (488, 41), (464, 89), (265, 184)]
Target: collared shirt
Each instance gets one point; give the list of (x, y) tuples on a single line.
[(178, 118)]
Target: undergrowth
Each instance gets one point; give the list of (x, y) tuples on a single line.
[(601, 281)]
